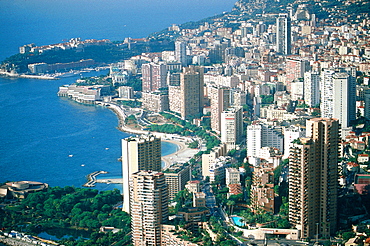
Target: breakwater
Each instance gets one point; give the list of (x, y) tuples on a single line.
[(92, 178), (27, 76), (110, 181)]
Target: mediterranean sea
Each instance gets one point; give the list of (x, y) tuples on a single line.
[(54, 140)]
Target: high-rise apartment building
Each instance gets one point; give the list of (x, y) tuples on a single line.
[(345, 94), (238, 97), (187, 99), (260, 135), (232, 127), (174, 98), (259, 29), (367, 104), (291, 133), (217, 53), (220, 101), (177, 176), (139, 153), (180, 52), (154, 76), (283, 34), (254, 136), (296, 90), (155, 101), (295, 68), (326, 89), (173, 79), (208, 159), (149, 207), (344, 99), (191, 83), (311, 88), (313, 179), (126, 92), (304, 193)]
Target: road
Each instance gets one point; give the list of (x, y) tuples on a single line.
[(210, 198)]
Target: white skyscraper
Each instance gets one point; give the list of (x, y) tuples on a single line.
[(283, 34), (180, 52), (260, 135), (272, 137), (139, 153), (326, 88), (344, 99), (345, 94), (291, 133), (254, 136), (232, 126), (297, 88), (220, 101), (311, 88)]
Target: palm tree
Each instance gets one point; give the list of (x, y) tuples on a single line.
[(231, 204)]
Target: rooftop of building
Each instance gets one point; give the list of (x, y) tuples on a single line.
[(176, 167)]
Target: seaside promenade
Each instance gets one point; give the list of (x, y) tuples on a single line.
[(183, 153)]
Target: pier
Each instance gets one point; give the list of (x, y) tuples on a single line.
[(92, 178), (110, 181)]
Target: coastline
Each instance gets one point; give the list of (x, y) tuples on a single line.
[(183, 153), (26, 76)]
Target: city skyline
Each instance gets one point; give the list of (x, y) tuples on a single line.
[(241, 90)]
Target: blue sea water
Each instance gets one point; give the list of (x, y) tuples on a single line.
[(55, 140), (45, 22), (50, 139)]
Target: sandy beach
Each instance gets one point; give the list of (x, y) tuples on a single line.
[(183, 154)]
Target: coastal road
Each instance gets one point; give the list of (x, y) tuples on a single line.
[(210, 198)]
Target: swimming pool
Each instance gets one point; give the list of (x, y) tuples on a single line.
[(238, 221)]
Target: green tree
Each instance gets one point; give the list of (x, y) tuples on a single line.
[(230, 204), (347, 235), (267, 99)]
